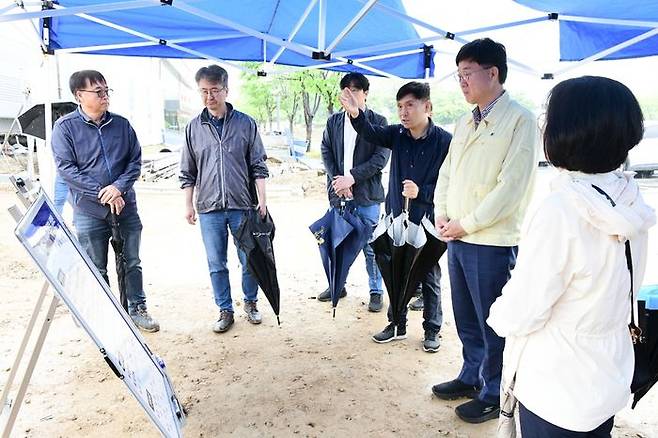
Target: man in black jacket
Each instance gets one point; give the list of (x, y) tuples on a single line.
[(354, 175)]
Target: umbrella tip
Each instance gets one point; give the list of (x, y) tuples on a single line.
[(278, 321), (334, 312)]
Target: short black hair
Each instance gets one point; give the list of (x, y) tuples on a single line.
[(213, 73), (591, 124), (487, 53), (356, 80), (419, 90), (79, 79)]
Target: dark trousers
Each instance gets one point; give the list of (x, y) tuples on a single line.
[(533, 426), (432, 313), (94, 236), (477, 276)]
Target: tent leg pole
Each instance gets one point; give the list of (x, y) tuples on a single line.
[(22, 389)]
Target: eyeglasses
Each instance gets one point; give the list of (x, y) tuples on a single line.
[(214, 91), (467, 76), (100, 93)]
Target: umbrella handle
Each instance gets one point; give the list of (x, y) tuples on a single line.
[(406, 204), (342, 206)]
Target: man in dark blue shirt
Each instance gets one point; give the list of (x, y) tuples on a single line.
[(99, 158), (418, 150)]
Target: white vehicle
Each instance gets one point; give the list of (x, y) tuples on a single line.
[(643, 158)]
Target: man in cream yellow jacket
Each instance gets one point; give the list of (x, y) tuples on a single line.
[(482, 193)]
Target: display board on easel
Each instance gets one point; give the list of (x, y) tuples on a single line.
[(79, 284)]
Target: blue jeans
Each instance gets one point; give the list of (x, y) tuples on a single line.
[(215, 226), (477, 276), (61, 193), (94, 236), (370, 216)]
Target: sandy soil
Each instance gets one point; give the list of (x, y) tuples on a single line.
[(312, 376)]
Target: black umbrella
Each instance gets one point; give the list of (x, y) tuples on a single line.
[(405, 252), (341, 236), (255, 237), (119, 258), (646, 351), (33, 121)]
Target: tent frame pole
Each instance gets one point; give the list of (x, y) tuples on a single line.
[(75, 10), (322, 25), (295, 29), (608, 51), (353, 22)]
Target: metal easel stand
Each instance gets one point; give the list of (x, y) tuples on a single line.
[(25, 193)]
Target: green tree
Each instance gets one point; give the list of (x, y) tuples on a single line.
[(258, 99), (289, 92)]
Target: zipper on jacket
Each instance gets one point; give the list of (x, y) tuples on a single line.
[(221, 159), (100, 135)]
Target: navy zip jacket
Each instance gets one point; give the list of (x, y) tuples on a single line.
[(418, 160), (90, 157)]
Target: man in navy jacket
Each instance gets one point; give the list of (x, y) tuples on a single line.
[(99, 158), (418, 150)]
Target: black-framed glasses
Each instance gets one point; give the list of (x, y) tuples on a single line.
[(100, 93), (214, 91), (467, 76)]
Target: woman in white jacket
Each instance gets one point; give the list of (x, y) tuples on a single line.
[(566, 309)]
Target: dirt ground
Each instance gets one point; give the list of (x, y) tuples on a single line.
[(312, 376)]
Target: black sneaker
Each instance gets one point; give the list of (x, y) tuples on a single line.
[(326, 295), (417, 304), (375, 304), (391, 334), (454, 389), (477, 411), (431, 342)]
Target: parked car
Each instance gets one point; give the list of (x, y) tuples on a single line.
[(643, 158)]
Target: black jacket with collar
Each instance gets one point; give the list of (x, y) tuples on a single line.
[(368, 161)]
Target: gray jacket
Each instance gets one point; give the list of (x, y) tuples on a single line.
[(223, 170)]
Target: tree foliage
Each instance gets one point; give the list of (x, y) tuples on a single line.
[(299, 93)]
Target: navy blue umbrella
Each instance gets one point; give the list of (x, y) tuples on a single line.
[(341, 236)]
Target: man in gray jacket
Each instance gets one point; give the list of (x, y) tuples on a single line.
[(224, 160)]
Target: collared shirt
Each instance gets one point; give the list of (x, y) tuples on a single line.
[(478, 114), (218, 123), (487, 178)]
